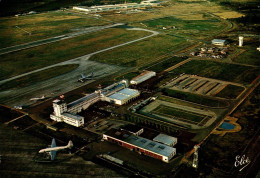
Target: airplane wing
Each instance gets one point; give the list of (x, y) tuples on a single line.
[(53, 143), (83, 76), (53, 154)]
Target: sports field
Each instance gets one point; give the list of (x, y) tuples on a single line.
[(179, 114)]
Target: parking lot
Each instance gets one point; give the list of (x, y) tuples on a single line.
[(196, 84)]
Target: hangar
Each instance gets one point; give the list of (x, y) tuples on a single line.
[(123, 96)]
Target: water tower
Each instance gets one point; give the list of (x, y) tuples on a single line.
[(241, 40)]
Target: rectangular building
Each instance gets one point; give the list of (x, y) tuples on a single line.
[(123, 96), (142, 77), (219, 42), (140, 144), (165, 139)]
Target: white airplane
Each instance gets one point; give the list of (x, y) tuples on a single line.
[(53, 149), (88, 77), (37, 98)]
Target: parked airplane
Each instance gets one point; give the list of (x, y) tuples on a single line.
[(38, 98), (53, 149), (88, 77)]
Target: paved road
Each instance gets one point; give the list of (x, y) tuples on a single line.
[(88, 55), (55, 39)]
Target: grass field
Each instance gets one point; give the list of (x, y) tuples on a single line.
[(41, 26), (194, 98), (140, 53), (160, 66), (250, 56), (230, 92), (30, 59), (187, 27), (37, 77), (220, 71), (174, 112)]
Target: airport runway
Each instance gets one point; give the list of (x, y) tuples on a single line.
[(86, 56), (63, 83), (55, 39)]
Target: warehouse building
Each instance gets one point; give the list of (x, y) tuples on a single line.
[(140, 144), (219, 42), (142, 77), (123, 96), (165, 139)]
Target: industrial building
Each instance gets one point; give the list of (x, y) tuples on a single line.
[(140, 144), (117, 93), (219, 42), (123, 96), (103, 8), (142, 77), (165, 139), (133, 129)]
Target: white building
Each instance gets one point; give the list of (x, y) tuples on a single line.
[(219, 42), (142, 77), (139, 144), (166, 139), (123, 96), (127, 6), (116, 93)]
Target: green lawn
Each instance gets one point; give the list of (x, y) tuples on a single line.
[(194, 98), (37, 77), (162, 65), (186, 27), (217, 70), (140, 53), (250, 56), (230, 92)]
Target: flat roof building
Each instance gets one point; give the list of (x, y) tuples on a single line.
[(165, 139), (219, 42), (123, 96), (140, 144), (142, 77), (133, 129)]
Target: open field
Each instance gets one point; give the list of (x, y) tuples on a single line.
[(14, 29), (37, 77), (230, 92), (41, 56), (194, 98), (162, 65), (250, 56), (221, 71), (227, 147), (141, 52), (191, 28)]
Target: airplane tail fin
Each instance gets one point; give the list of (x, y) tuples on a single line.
[(70, 144)]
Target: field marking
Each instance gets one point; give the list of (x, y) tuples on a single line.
[(14, 119)]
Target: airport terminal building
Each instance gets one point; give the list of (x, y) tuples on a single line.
[(117, 93), (140, 144)]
